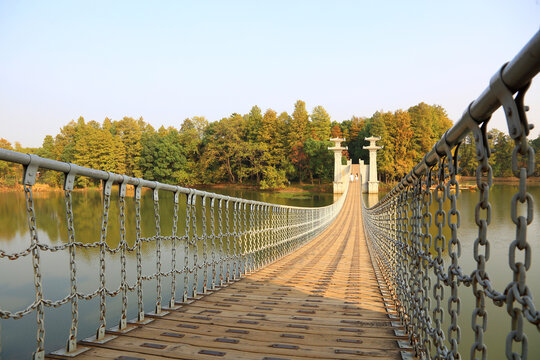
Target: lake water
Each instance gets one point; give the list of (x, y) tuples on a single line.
[(17, 292)]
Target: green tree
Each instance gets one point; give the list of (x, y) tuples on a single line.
[(467, 156), (162, 157), (253, 123), (320, 124), (191, 137), (97, 148), (359, 129), (8, 171), (320, 160), (223, 150), (501, 158), (536, 146), (65, 141), (47, 150), (130, 133)]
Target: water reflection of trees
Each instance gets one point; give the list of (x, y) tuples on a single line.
[(87, 208), (50, 209), (13, 216)]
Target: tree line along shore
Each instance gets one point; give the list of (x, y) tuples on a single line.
[(266, 150)]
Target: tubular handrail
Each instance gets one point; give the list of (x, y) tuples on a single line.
[(26, 159)]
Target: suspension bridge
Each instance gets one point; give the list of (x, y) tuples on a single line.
[(250, 280)]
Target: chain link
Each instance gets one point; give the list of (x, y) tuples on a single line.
[(138, 246), (72, 340), (518, 295), (123, 245), (40, 316), (195, 244), (172, 302), (107, 185)]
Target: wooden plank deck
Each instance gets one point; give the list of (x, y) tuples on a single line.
[(321, 302)]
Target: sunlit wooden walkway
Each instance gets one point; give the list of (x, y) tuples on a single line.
[(321, 302)]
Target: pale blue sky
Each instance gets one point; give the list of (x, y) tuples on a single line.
[(168, 60)]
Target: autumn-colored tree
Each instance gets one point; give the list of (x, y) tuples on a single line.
[(298, 133), (298, 125), (272, 135), (335, 132), (428, 123)]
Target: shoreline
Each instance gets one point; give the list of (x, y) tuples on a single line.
[(293, 188)]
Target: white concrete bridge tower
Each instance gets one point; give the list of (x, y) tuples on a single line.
[(339, 186), (373, 183)]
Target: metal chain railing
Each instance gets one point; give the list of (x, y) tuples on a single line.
[(412, 261), (261, 233)]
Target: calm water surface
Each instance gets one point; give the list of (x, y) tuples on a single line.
[(16, 277)]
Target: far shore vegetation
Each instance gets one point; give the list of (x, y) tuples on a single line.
[(267, 151)]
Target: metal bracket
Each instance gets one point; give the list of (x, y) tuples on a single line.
[(138, 187), (191, 197), (177, 195), (122, 186), (483, 152), (514, 110), (107, 184), (155, 192), (69, 179), (31, 170)]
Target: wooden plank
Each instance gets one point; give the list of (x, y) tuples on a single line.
[(204, 334), (182, 350)]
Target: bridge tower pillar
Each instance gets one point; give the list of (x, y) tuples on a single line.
[(373, 183), (339, 185)]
